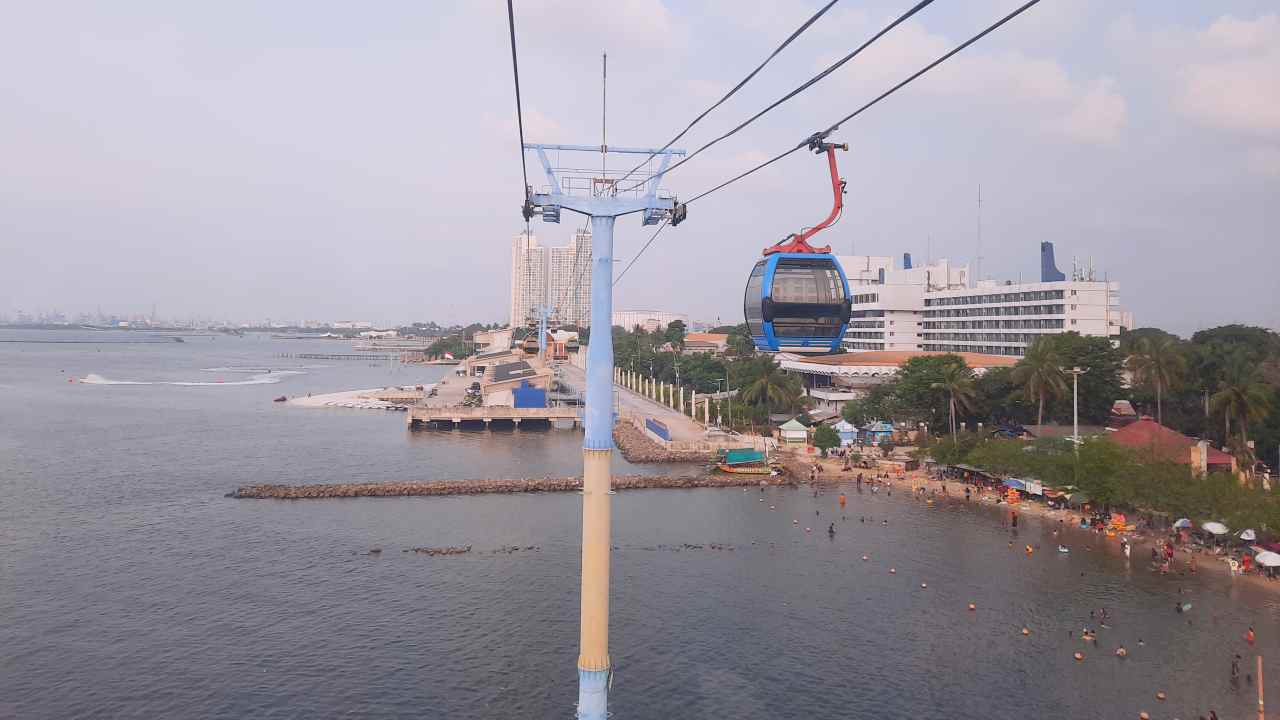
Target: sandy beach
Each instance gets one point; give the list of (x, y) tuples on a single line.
[(1141, 541)]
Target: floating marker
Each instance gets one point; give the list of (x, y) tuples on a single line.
[(865, 558), (1026, 631), (924, 585), (893, 571), (1079, 656), (972, 606), (1160, 695)]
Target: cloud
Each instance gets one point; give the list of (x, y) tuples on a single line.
[(1099, 116), (1033, 91), (1232, 81)]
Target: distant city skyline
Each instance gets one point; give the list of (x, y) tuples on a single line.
[(229, 161)]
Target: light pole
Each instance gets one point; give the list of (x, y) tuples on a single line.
[(720, 400), (1075, 373)]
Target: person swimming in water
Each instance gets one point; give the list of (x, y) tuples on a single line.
[(831, 529)]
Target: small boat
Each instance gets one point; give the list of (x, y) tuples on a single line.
[(282, 398), (745, 469), (1064, 549)]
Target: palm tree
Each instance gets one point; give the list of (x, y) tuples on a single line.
[(767, 386), (1157, 361), (1242, 396), (957, 381), (1040, 373)]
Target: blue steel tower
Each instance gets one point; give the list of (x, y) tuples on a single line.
[(598, 196)]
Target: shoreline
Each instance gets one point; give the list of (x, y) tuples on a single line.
[(1141, 542)]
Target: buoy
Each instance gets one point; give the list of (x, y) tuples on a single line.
[(972, 606), (1143, 716), (1160, 695), (770, 507), (808, 529), (1079, 656), (893, 571), (924, 585), (795, 522), (865, 558), (1026, 631)]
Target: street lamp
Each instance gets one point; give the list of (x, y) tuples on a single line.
[(1075, 374), (720, 400)]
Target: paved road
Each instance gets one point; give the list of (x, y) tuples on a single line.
[(681, 427)]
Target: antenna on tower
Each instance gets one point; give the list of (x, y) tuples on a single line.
[(604, 106), (978, 261)]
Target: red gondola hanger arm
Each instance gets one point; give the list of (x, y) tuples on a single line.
[(799, 243)]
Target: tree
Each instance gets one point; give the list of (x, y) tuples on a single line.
[(957, 383), (765, 385), (917, 393), (825, 438), (1101, 386), (1157, 361), (1039, 372), (1243, 397), (675, 334)]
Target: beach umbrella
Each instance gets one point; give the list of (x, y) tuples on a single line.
[(1182, 523), (1268, 559), (1216, 528), (1247, 535)]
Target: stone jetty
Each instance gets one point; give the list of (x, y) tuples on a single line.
[(637, 447), (481, 487)]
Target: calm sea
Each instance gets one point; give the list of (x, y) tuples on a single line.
[(131, 587)]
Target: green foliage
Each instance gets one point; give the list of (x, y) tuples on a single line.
[(1100, 387), (675, 334), (1112, 475), (920, 390), (825, 437), (1039, 374), (1158, 362)]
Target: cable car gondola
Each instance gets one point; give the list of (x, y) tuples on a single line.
[(797, 297)]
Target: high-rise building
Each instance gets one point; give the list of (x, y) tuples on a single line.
[(555, 277)]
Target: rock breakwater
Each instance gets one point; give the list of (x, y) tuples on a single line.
[(482, 487), (637, 447)]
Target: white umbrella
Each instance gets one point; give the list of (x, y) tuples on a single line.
[(1216, 528), (1247, 535), (1268, 559), (1182, 523)]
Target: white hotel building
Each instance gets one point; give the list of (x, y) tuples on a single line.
[(933, 308)]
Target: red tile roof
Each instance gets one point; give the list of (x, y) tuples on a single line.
[(895, 358), (1168, 444)]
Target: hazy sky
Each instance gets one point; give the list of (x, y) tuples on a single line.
[(323, 160)]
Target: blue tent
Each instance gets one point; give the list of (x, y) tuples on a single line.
[(877, 432), (847, 431), (1015, 483)]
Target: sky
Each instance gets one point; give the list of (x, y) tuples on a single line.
[(326, 160)]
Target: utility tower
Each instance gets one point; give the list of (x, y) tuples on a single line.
[(595, 193)]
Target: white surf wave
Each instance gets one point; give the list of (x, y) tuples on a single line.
[(260, 379)]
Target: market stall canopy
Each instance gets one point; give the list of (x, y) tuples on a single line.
[(1182, 523), (1078, 498), (1247, 535), (1268, 559), (1015, 483), (1216, 528)]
